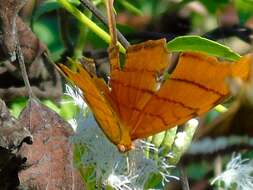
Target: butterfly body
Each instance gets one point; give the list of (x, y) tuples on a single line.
[(136, 105)]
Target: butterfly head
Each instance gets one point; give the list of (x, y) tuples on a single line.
[(125, 148)]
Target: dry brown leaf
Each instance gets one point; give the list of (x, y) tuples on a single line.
[(12, 136), (50, 164)]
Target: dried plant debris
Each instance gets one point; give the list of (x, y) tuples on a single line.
[(50, 156), (8, 15), (44, 78), (12, 136)]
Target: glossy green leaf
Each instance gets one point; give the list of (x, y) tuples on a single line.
[(199, 44)]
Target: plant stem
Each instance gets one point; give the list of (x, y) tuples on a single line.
[(89, 23), (80, 43), (218, 167), (88, 4), (23, 70), (183, 177)]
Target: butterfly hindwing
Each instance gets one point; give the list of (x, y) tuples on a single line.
[(96, 96), (195, 86)]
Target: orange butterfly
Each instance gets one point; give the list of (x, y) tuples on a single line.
[(136, 105)]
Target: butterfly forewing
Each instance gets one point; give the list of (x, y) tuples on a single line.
[(134, 85)]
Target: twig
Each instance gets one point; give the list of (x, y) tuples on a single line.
[(23, 70), (88, 22), (63, 23), (218, 167), (183, 177), (103, 19), (8, 94)]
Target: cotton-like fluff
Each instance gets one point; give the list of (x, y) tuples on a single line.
[(238, 172), (121, 171)]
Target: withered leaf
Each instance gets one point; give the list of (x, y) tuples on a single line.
[(8, 15), (12, 136), (12, 133), (50, 157)]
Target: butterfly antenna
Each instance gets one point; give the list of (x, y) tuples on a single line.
[(113, 48), (89, 5), (111, 22)]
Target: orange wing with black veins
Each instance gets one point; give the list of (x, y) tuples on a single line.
[(196, 85), (134, 85), (97, 96)]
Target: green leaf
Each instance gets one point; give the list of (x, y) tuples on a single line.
[(51, 105), (158, 139), (154, 181), (68, 109), (244, 9), (17, 105), (199, 44)]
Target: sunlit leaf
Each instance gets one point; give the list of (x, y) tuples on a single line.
[(199, 44)]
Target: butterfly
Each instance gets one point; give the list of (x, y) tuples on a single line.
[(136, 104)]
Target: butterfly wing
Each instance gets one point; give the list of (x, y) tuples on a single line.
[(133, 86), (97, 96), (195, 86)]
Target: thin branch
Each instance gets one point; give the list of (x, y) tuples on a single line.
[(183, 177), (104, 20), (23, 70), (218, 167), (63, 23)]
